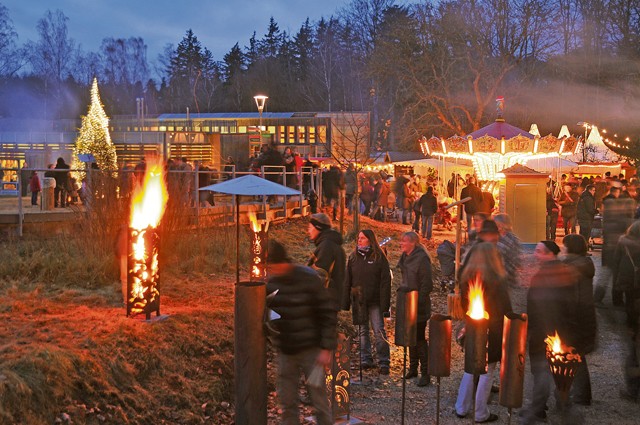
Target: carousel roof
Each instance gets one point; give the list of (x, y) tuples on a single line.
[(500, 129)]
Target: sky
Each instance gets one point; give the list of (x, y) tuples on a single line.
[(218, 24)]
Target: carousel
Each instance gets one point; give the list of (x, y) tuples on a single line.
[(499, 146)]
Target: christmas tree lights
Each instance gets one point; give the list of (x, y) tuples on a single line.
[(93, 137)]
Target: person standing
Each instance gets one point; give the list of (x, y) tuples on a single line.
[(586, 211), (62, 183), (626, 259), (428, 208), (350, 185), (473, 205), (34, 185), (569, 203), (484, 265), (551, 307), (553, 210), (575, 250), (306, 333), (329, 254), (381, 197), (367, 293), (415, 266)]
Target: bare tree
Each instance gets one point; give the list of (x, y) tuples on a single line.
[(52, 56), (10, 56)]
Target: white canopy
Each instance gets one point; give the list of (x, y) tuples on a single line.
[(444, 168), (551, 164)]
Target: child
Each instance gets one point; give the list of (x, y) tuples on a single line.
[(34, 184)]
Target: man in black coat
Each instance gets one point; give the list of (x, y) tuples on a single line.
[(587, 211), (551, 306), (428, 208), (473, 205), (415, 266), (306, 333), (329, 254)]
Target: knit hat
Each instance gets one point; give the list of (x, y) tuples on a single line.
[(489, 226), (320, 221), (277, 253), (551, 246)]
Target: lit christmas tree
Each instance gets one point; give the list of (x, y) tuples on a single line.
[(94, 136)]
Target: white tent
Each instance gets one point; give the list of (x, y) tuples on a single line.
[(444, 168), (552, 165)]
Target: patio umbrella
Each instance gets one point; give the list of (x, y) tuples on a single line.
[(248, 185)]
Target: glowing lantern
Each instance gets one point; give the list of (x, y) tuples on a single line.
[(563, 362), (147, 207), (259, 240)]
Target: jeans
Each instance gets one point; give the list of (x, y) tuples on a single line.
[(34, 198), (61, 195), (289, 366), (464, 403), (416, 223), (381, 208), (552, 224), (382, 347), (427, 226), (542, 384)]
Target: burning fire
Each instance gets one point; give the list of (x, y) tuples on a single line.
[(147, 207), (258, 245), (476, 301), (149, 201), (554, 343)]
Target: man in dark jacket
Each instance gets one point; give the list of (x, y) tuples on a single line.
[(329, 254), (62, 183), (428, 207), (587, 211), (415, 266), (350, 186), (569, 203), (551, 306), (473, 205), (306, 333)]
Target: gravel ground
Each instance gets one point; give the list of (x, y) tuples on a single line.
[(378, 401)]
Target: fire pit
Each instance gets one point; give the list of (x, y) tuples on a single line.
[(143, 276), (563, 362), (259, 243)]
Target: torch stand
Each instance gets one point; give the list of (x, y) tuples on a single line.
[(475, 352), (514, 344), (406, 330), (439, 352), (250, 357)]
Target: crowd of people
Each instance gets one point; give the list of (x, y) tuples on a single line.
[(562, 297)]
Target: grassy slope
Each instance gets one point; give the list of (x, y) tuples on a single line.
[(66, 347)]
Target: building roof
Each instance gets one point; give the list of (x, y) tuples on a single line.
[(521, 170), (227, 116), (500, 129)]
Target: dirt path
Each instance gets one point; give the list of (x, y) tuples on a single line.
[(379, 401)]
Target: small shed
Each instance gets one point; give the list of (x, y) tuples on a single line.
[(523, 196)]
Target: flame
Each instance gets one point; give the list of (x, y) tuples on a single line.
[(149, 201), (476, 301), (554, 343), (255, 226)]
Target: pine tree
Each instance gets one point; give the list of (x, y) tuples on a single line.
[(94, 136)]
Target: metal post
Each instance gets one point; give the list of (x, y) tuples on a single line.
[(284, 183), (300, 178), (196, 194), (264, 197), (20, 211), (404, 384), (235, 203)]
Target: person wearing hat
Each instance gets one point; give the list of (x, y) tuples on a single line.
[(305, 333), (329, 254), (551, 306)]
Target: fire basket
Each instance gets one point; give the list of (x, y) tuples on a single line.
[(143, 271), (259, 244), (563, 362), (476, 337), (406, 330)]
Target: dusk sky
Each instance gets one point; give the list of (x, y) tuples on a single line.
[(218, 24)]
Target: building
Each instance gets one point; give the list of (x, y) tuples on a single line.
[(209, 137)]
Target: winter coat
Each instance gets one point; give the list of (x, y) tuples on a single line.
[(497, 303), (382, 191), (308, 316), (488, 203), (586, 310), (622, 267), (350, 182), (35, 183), (569, 203), (62, 177), (428, 204), (330, 256), (367, 282), (473, 205), (586, 207), (416, 276), (552, 306), (617, 216)]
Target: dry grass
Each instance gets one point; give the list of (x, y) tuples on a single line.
[(68, 349)]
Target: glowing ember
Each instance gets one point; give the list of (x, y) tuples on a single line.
[(258, 247), (554, 343), (476, 301)]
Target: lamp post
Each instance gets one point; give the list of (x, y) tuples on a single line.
[(261, 100), (586, 126)]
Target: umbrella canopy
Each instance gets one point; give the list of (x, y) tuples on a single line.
[(252, 186)]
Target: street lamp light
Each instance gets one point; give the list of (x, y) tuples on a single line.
[(261, 100)]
